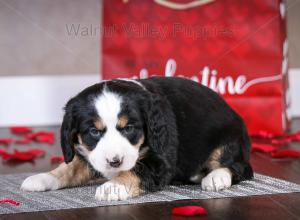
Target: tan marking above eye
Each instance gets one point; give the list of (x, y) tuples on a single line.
[(123, 120), (99, 124)]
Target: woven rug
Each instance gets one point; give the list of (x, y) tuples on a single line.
[(81, 197)]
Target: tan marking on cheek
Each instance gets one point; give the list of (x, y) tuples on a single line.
[(131, 181), (79, 139), (82, 148), (99, 124), (72, 174), (140, 142), (81, 142), (123, 120), (143, 152), (213, 161)]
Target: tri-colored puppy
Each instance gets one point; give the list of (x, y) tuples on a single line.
[(142, 135)]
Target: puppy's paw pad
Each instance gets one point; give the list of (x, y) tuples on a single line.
[(40, 182), (110, 191), (217, 180)]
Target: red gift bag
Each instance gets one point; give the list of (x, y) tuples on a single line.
[(237, 48)]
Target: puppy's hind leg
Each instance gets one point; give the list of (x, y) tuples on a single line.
[(227, 165), (66, 175)]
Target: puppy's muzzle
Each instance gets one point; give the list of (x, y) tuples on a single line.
[(115, 162)]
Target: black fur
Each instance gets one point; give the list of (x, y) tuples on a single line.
[(183, 123)]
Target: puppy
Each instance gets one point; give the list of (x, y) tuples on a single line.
[(142, 135)]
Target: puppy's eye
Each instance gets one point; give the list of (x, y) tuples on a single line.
[(95, 132), (128, 129)]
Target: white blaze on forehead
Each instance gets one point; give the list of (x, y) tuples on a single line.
[(112, 143), (108, 106)]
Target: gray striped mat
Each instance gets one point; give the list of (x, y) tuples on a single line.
[(81, 197)]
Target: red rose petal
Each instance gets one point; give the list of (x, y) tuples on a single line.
[(24, 141), (3, 152), (189, 211), (13, 202), (274, 151), (294, 136), (6, 141), (28, 155), (20, 129), (56, 159), (286, 138), (42, 137)]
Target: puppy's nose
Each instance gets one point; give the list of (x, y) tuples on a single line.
[(115, 162)]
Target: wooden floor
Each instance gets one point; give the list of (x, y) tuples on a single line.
[(283, 206)]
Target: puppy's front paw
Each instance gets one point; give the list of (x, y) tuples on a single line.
[(40, 182), (111, 191), (217, 180)]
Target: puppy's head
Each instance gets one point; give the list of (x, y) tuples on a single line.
[(105, 124)]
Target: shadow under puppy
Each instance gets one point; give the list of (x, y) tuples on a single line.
[(142, 135)]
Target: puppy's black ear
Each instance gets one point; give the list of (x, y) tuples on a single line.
[(68, 133), (160, 123)]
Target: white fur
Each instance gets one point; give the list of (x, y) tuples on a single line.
[(110, 191), (83, 151), (217, 180), (112, 143), (40, 182)]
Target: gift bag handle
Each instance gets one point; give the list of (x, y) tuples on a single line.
[(182, 6)]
